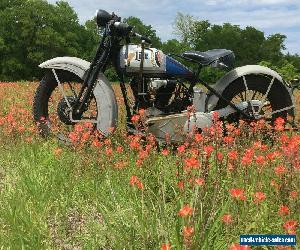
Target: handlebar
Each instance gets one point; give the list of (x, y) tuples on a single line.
[(125, 29), (143, 38)]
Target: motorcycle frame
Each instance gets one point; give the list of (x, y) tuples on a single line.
[(107, 46)]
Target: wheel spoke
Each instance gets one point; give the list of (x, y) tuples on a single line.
[(253, 95), (72, 89), (266, 94), (241, 96), (247, 89), (61, 88)]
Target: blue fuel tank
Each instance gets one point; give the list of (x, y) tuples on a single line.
[(156, 63)]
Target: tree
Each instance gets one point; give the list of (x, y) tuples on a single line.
[(33, 31), (249, 44)]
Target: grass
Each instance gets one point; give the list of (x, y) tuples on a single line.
[(126, 195)]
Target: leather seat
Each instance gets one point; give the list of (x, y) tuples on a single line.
[(207, 57)]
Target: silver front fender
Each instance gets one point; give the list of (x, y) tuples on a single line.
[(103, 92), (233, 75)]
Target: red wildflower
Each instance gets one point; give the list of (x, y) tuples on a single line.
[(73, 137), (181, 149), (165, 152), (260, 160), (78, 128), (107, 142), (247, 157), (135, 119), (194, 152), (134, 144), (273, 155), (139, 162), (257, 145), (238, 193), (220, 156), (279, 124), (284, 210), (166, 246), (180, 184), (227, 218), (109, 151), (228, 139), (96, 143), (142, 112), (259, 197), (21, 129), (134, 181), (237, 246), (192, 162), (185, 211), (198, 137), (188, 231), (215, 116), (280, 170), (246, 160), (232, 155), (294, 194), (290, 226), (208, 150), (85, 136), (143, 154), (200, 181), (120, 149)]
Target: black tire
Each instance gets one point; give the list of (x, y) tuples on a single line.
[(43, 93), (278, 97)]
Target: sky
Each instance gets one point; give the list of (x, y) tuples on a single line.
[(270, 16)]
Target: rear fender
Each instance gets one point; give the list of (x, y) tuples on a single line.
[(233, 75), (103, 92)]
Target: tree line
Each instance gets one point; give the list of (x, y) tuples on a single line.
[(33, 31)]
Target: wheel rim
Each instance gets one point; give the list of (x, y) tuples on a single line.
[(57, 106)]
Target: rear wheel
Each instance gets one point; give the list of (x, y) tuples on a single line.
[(52, 108), (274, 98)]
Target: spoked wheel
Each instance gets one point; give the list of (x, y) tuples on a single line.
[(53, 105), (267, 98)]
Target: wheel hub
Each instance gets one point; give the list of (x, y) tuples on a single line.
[(65, 112)]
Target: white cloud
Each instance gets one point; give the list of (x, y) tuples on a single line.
[(271, 16)]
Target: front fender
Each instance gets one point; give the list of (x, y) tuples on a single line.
[(233, 75), (72, 64), (105, 97)]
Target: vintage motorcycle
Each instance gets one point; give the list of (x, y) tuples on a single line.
[(160, 85)]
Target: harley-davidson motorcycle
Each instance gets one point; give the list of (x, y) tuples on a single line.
[(75, 91)]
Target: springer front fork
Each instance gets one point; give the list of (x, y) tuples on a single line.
[(70, 108)]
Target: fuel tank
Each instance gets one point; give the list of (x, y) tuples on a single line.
[(156, 63)]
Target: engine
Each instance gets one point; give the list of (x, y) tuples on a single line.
[(160, 96)]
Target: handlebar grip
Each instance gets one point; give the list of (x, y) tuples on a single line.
[(146, 39), (123, 28)]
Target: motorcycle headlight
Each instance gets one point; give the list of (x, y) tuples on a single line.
[(103, 17)]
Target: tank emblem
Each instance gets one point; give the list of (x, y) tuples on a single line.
[(158, 58)]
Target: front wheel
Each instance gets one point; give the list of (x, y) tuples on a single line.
[(274, 98), (52, 108)]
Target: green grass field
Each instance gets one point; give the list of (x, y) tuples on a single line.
[(124, 193)]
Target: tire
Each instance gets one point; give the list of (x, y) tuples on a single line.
[(42, 96), (278, 96)]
